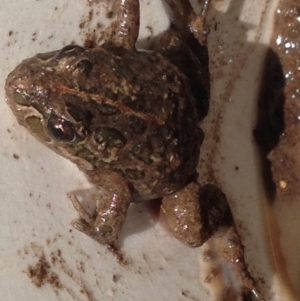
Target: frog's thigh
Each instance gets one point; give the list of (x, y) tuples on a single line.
[(181, 213), (194, 213)]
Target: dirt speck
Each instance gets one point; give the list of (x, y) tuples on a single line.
[(119, 255), (109, 14), (41, 273), (34, 36), (150, 28), (188, 295), (87, 20), (51, 268), (81, 266), (15, 156), (90, 40), (116, 278)]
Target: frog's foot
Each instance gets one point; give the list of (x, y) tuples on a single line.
[(194, 213), (184, 12), (86, 223), (105, 224)]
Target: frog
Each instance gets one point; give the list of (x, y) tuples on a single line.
[(128, 118)]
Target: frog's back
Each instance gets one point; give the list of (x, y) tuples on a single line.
[(146, 126)]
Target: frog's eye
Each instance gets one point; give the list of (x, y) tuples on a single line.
[(61, 129), (69, 50)]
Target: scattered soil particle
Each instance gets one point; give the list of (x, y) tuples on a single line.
[(119, 255), (116, 278), (41, 274), (15, 156), (109, 14)]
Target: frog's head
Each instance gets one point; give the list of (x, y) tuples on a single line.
[(46, 95)]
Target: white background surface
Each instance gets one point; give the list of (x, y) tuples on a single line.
[(35, 213)]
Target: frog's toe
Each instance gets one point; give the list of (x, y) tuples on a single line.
[(81, 226), (83, 214), (105, 234), (102, 234)]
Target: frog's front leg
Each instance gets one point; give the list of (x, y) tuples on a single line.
[(111, 210), (194, 213)]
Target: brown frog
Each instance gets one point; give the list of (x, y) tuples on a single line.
[(127, 118)]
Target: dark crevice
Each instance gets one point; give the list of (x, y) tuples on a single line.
[(270, 121)]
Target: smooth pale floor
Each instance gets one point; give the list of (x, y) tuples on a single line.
[(35, 212)]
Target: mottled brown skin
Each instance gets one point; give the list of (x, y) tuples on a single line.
[(126, 110), (128, 119)]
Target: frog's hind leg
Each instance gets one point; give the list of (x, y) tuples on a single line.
[(128, 23), (194, 213), (185, 46)]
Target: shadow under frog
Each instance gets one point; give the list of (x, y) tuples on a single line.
[(128, 119)]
